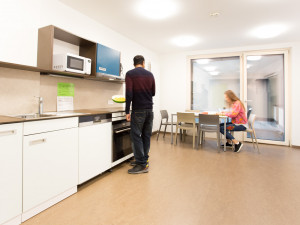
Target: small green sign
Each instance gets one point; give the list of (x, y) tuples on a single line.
[(65, 89)]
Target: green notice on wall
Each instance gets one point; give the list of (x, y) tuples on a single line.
[(65, 89)]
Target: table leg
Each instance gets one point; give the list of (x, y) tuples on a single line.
[(225, 120), (171, 128)]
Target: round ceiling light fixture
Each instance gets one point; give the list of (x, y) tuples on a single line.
[(269, 31), (185, 41), (157, 9)]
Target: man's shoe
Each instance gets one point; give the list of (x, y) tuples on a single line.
[(133, 163), (238, 147), (137, 169), (227, 145)]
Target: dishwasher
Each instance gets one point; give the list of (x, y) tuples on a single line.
[(95, 145)]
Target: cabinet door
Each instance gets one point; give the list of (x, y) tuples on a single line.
[(94, 150), (10, 171), (50, 165)]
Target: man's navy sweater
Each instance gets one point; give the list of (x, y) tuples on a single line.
[(140, 88)]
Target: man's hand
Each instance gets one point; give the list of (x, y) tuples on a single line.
[(128, 117)]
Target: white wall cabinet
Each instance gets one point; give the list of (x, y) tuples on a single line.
[(50, 161), (10, 171), (95, 146)]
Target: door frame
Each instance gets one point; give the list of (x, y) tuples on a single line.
[(287, 111), (243, 84)]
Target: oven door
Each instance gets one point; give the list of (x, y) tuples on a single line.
[(121, 143), (75, 64)]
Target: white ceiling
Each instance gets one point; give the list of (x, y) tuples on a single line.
[(231, 29)]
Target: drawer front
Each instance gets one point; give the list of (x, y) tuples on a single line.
[(36, 127)]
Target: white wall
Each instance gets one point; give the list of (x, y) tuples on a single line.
[(175, 78), (20, 20)]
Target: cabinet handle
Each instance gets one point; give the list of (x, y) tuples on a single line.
[(7, 132), (121, 131), (39, 141)]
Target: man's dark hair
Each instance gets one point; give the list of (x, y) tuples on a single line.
[(138, 60)]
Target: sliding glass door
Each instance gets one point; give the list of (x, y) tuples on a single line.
[(265, 94), (258, 78)]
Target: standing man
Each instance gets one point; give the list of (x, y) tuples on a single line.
[(140, 88)]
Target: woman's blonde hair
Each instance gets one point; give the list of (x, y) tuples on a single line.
[(233, 98)]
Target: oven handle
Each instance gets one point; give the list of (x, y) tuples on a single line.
[(121, 131)]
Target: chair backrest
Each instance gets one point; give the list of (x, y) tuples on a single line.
[(209, 119), (192, 110), (249, 113), (164, 114), (186, 118), (251, 121)]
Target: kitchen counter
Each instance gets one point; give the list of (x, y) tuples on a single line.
[(73, 113), (9, 119)]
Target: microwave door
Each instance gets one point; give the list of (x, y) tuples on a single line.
[(75, 65)]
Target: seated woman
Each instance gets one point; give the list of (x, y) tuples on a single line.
[(238, 116)]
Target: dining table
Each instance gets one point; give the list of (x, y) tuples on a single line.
[(221, 117)]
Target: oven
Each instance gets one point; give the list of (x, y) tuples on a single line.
[(122, 147)]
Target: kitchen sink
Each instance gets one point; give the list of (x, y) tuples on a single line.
[(34, 116)]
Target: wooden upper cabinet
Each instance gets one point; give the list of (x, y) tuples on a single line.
[(46, 36)]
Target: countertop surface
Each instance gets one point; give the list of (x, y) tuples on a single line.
[(74, 113)]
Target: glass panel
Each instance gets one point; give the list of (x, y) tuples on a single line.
[(211, 78), (265, 88)]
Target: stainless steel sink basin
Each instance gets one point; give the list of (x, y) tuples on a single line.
[(34, 116)]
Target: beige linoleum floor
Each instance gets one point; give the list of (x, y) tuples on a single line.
[(189, 187)]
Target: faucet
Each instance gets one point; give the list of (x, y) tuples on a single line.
[(40, 105)]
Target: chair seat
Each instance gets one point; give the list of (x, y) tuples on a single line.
[(209, 128), (186, 126)]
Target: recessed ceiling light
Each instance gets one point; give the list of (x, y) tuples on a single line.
[(214, 73), (269, 31), (210, 68), (185, 41), (157, 9), (254, 57), (202, 61)]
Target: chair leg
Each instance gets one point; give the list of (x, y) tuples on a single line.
[(158, 132), (200, 136), (256, 141), (218, 140), (203, 136), (176, 135), (194, 137), (252, 139), (165, 131), (184, 135)]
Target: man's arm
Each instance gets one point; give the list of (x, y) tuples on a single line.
[(129, 95), (153, 87)]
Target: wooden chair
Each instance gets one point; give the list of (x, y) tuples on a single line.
[(250, 129), (186, 121)]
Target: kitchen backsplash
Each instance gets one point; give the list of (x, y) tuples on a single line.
[(19, 88)]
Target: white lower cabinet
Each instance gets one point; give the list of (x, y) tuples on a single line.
[(50, 167), (95, 145), (11, 173)]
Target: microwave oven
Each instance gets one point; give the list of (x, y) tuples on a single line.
[(72, 63)]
